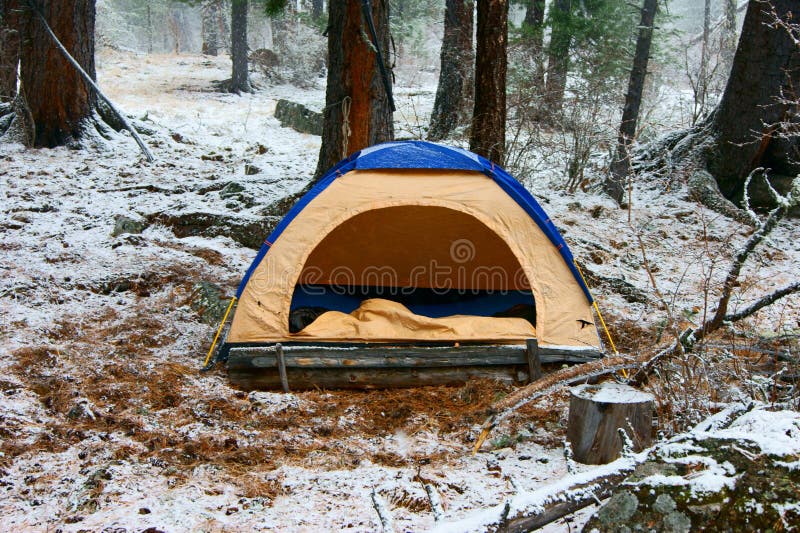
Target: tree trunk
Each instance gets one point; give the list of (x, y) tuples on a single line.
[(454, 94), (729, 35), (355, 98), (316, 9), (9, 49), (701, 88), (533, 34), (558, 55), (240, 79), (488, 132), (621, 166), (60, 101), (149, 14), (210, 27), (759, 102), (223, 28)]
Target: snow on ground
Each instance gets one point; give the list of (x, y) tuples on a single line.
[(105, 421)]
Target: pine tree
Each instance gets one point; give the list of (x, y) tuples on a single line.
[(488, 131), (357, 111), (453, 101)]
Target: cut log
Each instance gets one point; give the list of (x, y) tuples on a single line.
[(597, 412)]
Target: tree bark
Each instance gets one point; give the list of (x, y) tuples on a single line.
[(355, 98), (210, 27), (240, 78), (60, 101), (488, 132), (9, 49), (456, 84), (558, 55), (760, 101), (621, 166)]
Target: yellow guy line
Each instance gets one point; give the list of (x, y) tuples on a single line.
[(219, 330), (599, 315)]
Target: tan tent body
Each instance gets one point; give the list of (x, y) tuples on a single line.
[(454, 230)]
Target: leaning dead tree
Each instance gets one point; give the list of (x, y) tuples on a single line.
[(60, 104)]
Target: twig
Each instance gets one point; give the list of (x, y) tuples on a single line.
[(549, 385), (435, 500), (384, 514)]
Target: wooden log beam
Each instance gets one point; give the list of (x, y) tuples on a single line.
[(373, 378), (380, 356), (381, 366)]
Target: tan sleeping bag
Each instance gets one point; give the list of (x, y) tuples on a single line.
[(384, 320)]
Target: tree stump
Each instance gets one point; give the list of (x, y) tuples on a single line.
[(597, 412)]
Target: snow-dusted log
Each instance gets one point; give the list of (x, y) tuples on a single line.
[(528, 511), (598, 412)]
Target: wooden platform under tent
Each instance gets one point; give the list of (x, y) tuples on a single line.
[(298, 366)]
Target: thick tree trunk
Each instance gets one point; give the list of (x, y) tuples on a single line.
[(759, 102), (454, 94), (9, 49), (533, 34), (621, 166), (210, 27), (488, 132), (240, 78), (558, 55), (60, 101), (357, 112)]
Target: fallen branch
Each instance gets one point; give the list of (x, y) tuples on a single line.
[(692, 336), (527, 511), (88, 79), (550, 384), (384, 514)]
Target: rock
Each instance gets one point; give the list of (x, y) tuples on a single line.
[(250, 169), (230, 190), (247, 233), (123, 224), (298, 117), (705, 484), (82, 410), (209, 302)]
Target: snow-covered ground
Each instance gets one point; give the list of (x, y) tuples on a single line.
[(105, 421)]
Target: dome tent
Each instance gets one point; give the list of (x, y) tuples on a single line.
[(404, 244)]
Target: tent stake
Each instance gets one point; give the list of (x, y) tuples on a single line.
[(94, 86)]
